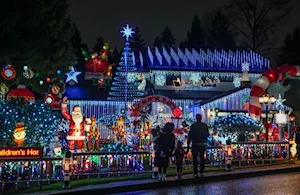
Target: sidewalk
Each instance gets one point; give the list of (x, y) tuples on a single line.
[(137, 185)]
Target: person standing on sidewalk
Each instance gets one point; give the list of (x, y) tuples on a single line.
[(165, 147), (198, 136), (179, 155)]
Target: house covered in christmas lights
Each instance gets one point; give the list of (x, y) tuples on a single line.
[(208, 82)]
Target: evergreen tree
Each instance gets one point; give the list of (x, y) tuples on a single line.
[(220, 35), (98, 45), (196, 36), (157, 42), (291, 49), (167, 38), (137, 42), (125, 85), (37, 33)]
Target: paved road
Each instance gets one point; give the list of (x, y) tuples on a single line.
[(281, 184)]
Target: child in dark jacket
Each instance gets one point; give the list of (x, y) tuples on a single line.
[(179, 155)]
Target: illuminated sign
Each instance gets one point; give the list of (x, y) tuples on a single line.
[(20, 153)]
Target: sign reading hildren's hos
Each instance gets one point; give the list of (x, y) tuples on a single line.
[(21, 153)]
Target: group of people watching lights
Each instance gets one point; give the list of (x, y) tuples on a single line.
[(165, 147)]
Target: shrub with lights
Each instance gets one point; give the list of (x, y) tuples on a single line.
[(233, 124), (40, 122)]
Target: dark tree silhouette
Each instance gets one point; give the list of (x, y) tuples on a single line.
[(98, 45), (220, 36), (157, 42), (167, 38), (291, 49), (256, 21), (137, 42), (78, 45), (195, 36), (39, 37)]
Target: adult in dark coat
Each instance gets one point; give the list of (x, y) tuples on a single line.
[(198, 136), (165, 146)]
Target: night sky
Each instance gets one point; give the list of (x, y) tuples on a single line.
[(106, 18)]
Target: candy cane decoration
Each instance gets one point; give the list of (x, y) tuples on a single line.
[(274, 74)]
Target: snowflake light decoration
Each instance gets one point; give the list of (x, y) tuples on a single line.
[(237, 81), (245, 66), (279, 102), (63, 125), (160, 80), (127, 32)]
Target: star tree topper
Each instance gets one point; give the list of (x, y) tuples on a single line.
[(127, 32), (72, 75)]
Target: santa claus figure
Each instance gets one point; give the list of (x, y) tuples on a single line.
[(76, 127)]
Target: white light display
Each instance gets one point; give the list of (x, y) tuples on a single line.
[(160, 80), (281, 118), (237, 81)]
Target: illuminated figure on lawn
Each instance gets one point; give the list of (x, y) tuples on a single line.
[(94, 136), (76, 127), (19, 133)]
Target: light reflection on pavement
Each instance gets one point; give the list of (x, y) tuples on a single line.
[(281, 184)]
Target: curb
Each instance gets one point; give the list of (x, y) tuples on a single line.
[(183, 182)]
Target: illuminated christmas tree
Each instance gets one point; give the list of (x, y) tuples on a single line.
[(126, 86)]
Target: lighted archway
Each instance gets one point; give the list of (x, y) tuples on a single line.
[(136, 108)]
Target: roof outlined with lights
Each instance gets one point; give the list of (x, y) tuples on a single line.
[(209, 61)]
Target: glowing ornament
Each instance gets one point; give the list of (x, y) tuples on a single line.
[(20, 92), (160, 80), (49, 100), (237, 81), (72, 75), (25, 68), (41, 82), (127, 32), (28, 73), (58, 72), (8, 72), (19, 133), (177, 112), (37, 74), (48, 80)]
